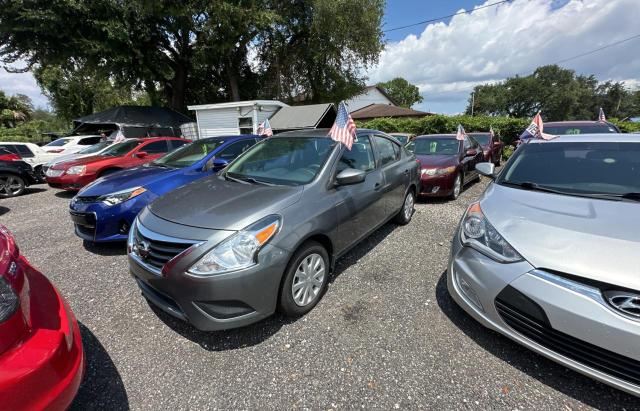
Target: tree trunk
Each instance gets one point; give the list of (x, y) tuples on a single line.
[(178, 86), (234, 87)]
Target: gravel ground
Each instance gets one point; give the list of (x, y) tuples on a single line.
[(385, 336)]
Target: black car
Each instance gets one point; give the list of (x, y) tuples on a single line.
[(15, 176)]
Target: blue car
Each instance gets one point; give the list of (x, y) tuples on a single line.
[(104, 210)]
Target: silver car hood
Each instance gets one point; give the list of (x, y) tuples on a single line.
[(590, 238)]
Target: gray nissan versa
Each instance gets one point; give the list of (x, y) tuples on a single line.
[(549, 255), (264, 234)]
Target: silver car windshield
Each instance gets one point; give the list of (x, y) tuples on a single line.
[(283, 160), (605, 169)]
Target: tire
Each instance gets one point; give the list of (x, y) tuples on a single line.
[(406, 212), (497, 163), (11, 185), (458, 182), (306, 297)]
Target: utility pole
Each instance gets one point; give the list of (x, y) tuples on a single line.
[(473, 100)]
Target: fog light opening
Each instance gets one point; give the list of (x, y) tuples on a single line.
[(124, 227), (435, 189), (468, 292)]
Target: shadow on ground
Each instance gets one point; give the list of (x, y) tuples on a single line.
[(4, 210), (562, 379), (65, 194), (106, 249), (102, 387)]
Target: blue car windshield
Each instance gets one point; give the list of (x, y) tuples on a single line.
[(189, 154), (283, 160)]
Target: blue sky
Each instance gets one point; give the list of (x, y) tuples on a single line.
[(447, 58)]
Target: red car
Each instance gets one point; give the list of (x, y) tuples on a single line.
[(447, 164), (74, 174), (41, 357), (491, 145)]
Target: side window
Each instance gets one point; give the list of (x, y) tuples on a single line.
[(23, 150), (89, 141), (385, 150), (177, 143), (235, 149), (156, 147), (467, 144), (360, 157)]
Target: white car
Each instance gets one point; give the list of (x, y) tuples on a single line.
[(93, 150), (30, 153), (71, 144)]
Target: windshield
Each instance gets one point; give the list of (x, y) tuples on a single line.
[(190, 153), (95, 148), (427, 146), (577, 168), (59, 142), (121, 149), (579, 129), (483, 139), (283, 160)]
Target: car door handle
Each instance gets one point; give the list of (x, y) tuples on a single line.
[(406, 172), (377, 186)]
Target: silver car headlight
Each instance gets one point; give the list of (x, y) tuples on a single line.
[(76, 170), (121, 196), (478, 233), (240, 250)]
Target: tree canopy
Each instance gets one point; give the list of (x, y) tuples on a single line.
[(559, 93), (14, 109), (402, 92), (192, 51)]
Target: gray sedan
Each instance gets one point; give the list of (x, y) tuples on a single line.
[(264, 234), (549, 255)]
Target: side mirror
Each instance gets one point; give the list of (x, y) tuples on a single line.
[(471, 152), (486, 169), (141, 154), (215, 164), (350, 176)]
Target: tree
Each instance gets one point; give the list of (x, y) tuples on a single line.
[(558, 93), (197, 50), (14, 109), (402, 92)]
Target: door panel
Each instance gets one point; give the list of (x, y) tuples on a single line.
[(396, 173)]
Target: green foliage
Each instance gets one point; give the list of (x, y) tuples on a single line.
[(31, 131), (14, 109), (558, 93), (402, 92), (507, 152)]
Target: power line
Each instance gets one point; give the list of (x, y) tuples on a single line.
[(606, 46), (445, 17)]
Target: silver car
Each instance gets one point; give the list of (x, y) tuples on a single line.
[(549, 255), (264, 234)]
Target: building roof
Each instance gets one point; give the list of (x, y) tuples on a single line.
[(232, 104), (140, 116), (299, 117), (385, 110)]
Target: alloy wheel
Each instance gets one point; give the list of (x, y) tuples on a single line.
[(408, 206), (457, 186), (10, 186), (308, 280)]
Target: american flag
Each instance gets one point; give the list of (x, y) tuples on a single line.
[(264, 129), (491, 131), (461, 133), (344, 129), (601, 116)]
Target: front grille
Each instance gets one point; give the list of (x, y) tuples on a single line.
[(159, 252), (590, 355), (87, 199)]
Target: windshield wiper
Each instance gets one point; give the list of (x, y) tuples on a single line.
[(625, 196), (254, 181), (528, 185)]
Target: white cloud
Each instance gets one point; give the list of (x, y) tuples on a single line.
[(490, 44), (22, 83)]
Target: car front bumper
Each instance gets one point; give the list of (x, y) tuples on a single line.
[(70, 182), (437, 186), (560, 319), (215, 302), (44, 370)]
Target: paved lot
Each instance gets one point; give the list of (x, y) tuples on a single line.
[(385, 336)]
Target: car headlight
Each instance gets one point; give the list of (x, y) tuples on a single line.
[(120, 196), (240, 250), (76, 170), (478, 233), (438, 171)]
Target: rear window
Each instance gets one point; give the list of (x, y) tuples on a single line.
[(577, 168), (59, 142), (581, 129)]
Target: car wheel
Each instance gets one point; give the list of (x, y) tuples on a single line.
[(457, 187), (11, 185), (305, 280), (406, 212)]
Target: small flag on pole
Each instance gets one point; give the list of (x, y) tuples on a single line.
[(535, 130), (601, 116), (461, 133), (344, 128), (264, 129)]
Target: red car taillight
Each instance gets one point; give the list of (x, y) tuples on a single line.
[(9, 157), (9, 300)]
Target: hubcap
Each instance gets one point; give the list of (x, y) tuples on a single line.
[(10, 185), (457, 186), (408, 206), (308, 279)]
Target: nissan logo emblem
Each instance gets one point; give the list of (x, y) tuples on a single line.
[(142, 248)]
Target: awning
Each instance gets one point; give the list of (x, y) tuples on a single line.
[(303, 117)]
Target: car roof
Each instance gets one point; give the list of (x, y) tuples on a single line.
[(322, 132), (574, 123), (437, 135), (591, 138), (479, 133)]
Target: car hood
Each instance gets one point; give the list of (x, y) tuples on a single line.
[(80, 161), (129, 178), (585, 237), (430, 161), (216, 203)]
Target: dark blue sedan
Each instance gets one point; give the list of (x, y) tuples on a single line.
[(104, 210)]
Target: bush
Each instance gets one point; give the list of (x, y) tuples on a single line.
[(509, 129), (30, 131), (507, 152)]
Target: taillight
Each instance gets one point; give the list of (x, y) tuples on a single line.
[(9, 300)]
